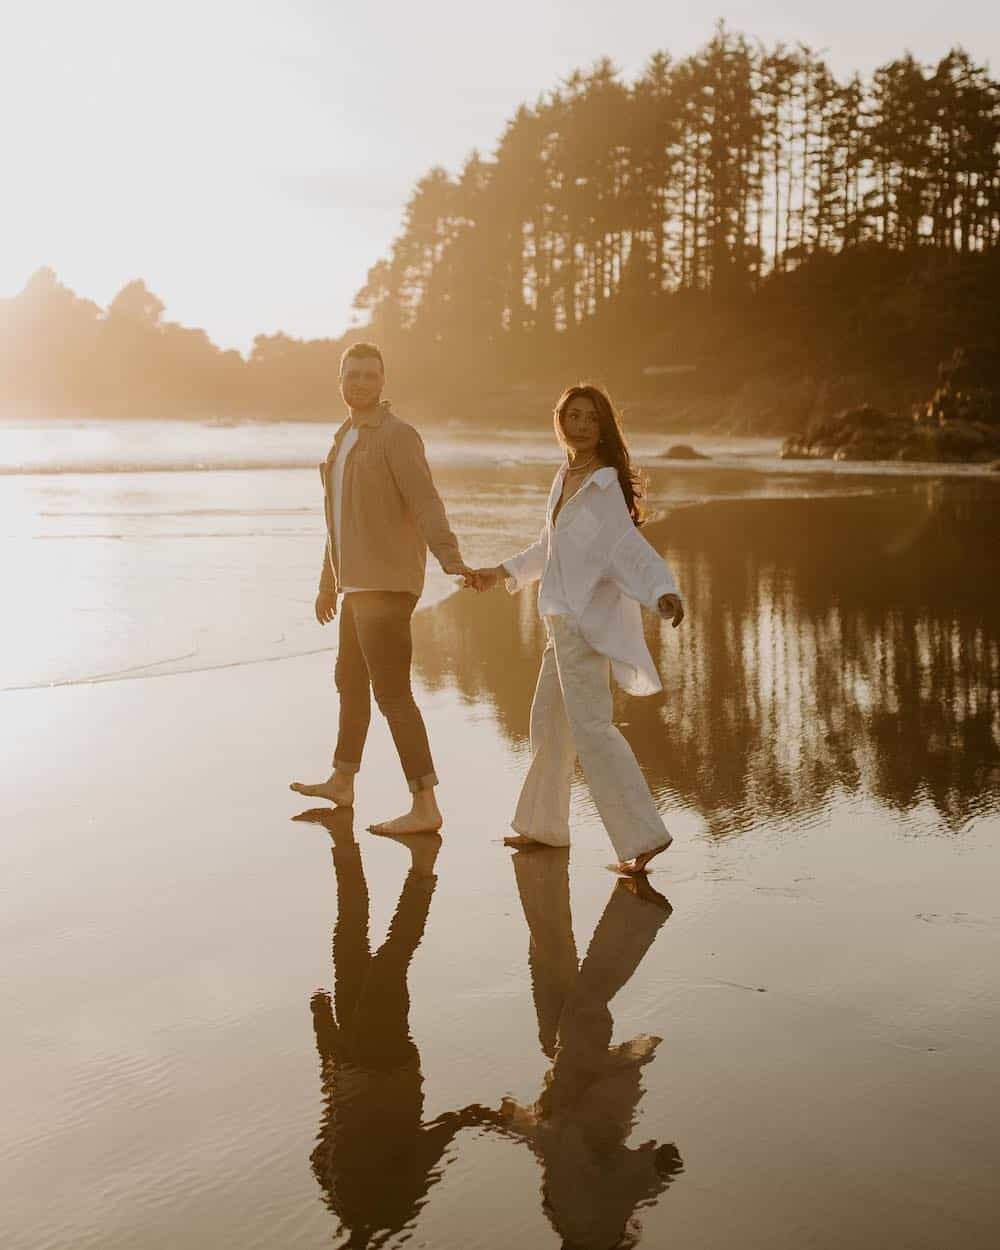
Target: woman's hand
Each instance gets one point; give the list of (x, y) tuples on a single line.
[(671, 608)]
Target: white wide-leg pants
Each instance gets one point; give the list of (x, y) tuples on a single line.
[(570, 717)]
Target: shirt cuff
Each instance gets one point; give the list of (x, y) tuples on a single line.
[(512, 582)]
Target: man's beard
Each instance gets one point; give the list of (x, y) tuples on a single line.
[(361, 403)]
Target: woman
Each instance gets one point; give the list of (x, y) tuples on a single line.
[(595, 570)]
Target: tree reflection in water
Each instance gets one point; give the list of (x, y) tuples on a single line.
[(832, 645)]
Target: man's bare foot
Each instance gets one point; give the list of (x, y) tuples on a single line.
[(636, 867), (520, 841), (423, 817), (338, 788)]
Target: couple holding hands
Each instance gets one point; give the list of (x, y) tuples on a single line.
[(595, 570)]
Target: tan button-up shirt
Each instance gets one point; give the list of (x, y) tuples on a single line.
[(390, 510)]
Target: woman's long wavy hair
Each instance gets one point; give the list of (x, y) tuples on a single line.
[(612, 448)]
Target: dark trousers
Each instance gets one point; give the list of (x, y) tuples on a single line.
[(376, 648)]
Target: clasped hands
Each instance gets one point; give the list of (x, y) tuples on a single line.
[(476, 579)]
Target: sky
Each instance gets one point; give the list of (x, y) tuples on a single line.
[(250, 159)]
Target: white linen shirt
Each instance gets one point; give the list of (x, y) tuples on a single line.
[(596, 567)]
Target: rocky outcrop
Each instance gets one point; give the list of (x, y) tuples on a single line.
[(959, 423), (682, 451)]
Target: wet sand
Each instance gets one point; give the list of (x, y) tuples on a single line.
[(826, 991)]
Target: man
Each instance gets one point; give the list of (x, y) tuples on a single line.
[(382, 513)]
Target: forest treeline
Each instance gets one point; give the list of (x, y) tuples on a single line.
[(740, 222), (65, 355), (706, 173)]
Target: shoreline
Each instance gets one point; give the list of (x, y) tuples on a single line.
[(31, 450)]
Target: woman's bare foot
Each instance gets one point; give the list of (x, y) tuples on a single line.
[(423, 817), (338, 788), (636, 867), (520, 841)]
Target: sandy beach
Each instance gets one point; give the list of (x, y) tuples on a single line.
[(823, 981)]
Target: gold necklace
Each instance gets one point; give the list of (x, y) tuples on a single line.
[(579, 468)]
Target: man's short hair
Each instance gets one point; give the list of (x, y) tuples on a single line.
[(365, 351)]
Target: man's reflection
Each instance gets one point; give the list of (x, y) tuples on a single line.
[(374, 1159), (578, 1127)]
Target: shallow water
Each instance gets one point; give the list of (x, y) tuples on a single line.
[(160, 567), (228, 1030)]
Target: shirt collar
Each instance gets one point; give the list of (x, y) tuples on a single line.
[(365, 420), (369, 420), (602, 477)]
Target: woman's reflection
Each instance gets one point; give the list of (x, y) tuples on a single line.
[(374, 1159), (592, 1182)]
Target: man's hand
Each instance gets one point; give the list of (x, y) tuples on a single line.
[(326, 606), (458, 568), (486, 579), (671, 608)]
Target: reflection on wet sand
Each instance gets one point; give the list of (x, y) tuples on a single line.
[(592, 1182), (374, 1159), (831, 645)]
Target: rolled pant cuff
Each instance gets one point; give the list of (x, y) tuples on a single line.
[(427, 782), (341, 766)]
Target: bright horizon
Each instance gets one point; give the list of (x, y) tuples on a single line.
[(251, 166)]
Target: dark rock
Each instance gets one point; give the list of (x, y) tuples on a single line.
[(867, 418), (864, 448), (858, 432), (683, 451), (962, 437), (953, 426), (919, 449)]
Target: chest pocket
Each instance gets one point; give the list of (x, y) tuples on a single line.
[(583, 527)]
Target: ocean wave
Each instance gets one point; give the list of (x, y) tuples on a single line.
[(89, 467)]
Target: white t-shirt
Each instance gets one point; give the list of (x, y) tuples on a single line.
[(350, 438)]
